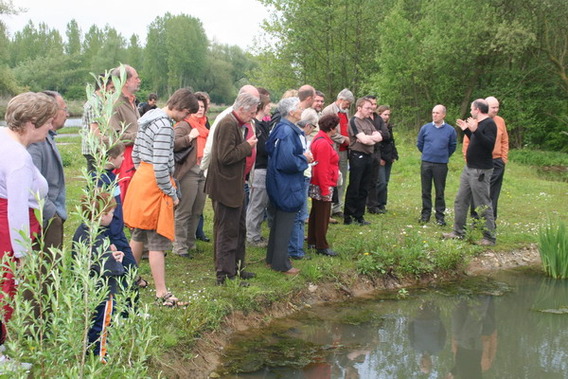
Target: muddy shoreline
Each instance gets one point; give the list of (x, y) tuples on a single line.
[(210, 347)]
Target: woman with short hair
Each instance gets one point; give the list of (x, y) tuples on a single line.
[(325, 172), (28, 118)]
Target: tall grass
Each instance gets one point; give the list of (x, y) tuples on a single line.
[(553, 247)]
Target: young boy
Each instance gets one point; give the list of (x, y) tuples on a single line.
[(106, 264), (115, 231)]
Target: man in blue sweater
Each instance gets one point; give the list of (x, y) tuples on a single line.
[(437, 141)]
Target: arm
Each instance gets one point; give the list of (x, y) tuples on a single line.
[(162, 147), (288, 155), (420, 140), (505, 144), (230, 146), (320, 172), (38, 151), (465, 146), (18, 214), (453, 141)]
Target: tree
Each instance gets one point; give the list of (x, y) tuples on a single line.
[(175, 53), (73, 46)]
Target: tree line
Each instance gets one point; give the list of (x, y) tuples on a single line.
[(414, 54), (177, 53)]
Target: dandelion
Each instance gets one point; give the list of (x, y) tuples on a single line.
[(366, 253)]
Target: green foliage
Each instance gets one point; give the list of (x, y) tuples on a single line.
[(553, 248)]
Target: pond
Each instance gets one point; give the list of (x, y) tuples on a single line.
[(510, 325)]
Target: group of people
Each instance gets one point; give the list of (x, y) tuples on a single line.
[(485, 149), (254, 164)]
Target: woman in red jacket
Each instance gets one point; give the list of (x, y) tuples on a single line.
[(324, 178)]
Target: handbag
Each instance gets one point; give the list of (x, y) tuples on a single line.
[(181, 155)]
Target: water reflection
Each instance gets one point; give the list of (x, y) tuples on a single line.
[(511, 326)]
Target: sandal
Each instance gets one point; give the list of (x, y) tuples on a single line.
[(141, 282), (169, 300)]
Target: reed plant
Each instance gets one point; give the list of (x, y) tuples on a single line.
[(553, 248)]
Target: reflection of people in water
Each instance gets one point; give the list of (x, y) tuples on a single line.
[(351, 345), (427, 334), (474, 339)]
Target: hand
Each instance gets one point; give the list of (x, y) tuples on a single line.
[(117, 255), (462, 124), (309, 156), (176, 202), (346, 140), (194, 134), (383, 162), (472, 124), (252, 141)]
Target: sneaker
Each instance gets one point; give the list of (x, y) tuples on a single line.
[(328, 252), (300, 257), (373, 211), (246, 275), (262, 243), (347, 220), (363, 222), (424, 220), (441, 222), (382, 211), (485, 242), (8, 365), (452, 236)]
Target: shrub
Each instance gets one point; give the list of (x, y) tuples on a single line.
[(553, 248)]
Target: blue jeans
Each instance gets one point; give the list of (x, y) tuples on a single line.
[(296, 244)]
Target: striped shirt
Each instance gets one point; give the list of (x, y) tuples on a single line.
[(91, 114), (154, 144)]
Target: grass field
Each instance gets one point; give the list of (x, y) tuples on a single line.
[(394, 244)]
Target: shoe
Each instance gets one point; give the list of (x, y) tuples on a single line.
[(382, 211), (363, 222), (347, 220), (373, 211), (328, 252), (203, 238), (262, 243), (485, 242), (452, 236), (338, 214), (246, 275), (441, 223), (424, 220), (333, 221), (311, 247), (300, 257), (292, 271), (222, 281), (141, 282), (8, 365), (169, 300)]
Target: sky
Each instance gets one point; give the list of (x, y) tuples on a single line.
[(223, 20)]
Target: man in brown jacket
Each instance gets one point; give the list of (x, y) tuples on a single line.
[(225, 186)]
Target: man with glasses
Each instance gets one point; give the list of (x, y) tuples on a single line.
[(47, 159)]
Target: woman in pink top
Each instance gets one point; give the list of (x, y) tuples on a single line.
[(28, 117)]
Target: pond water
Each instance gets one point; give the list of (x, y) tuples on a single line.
[(510, 325)]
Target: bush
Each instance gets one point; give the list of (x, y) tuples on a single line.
[(553, 248)]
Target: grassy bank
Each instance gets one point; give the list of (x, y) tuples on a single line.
[(395, 245)]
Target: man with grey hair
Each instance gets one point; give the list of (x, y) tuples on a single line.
[(341, 108), (47, 159), (232, 144), (124, 122), (500, 155), (250, 89)]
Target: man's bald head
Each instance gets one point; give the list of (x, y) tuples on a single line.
[(493, 104), (306, 93), (250, 89)]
